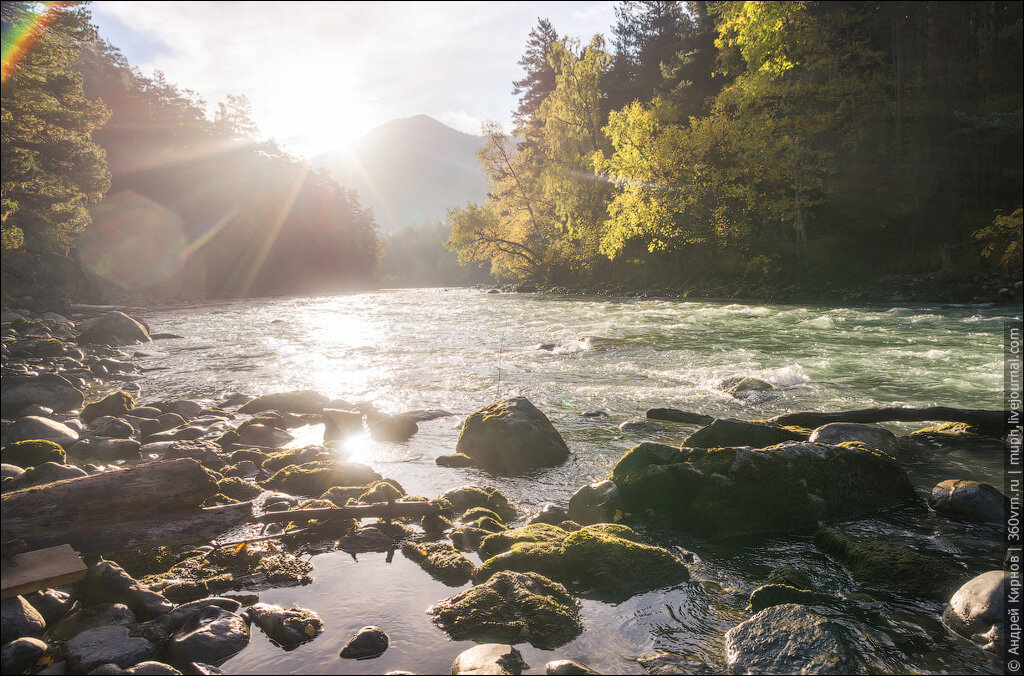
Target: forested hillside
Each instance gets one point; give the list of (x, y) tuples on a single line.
[(739, 147), (128, 177)]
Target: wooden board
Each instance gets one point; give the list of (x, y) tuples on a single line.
[(41, 569)]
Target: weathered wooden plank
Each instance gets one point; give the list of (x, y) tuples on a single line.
[(41, 569)]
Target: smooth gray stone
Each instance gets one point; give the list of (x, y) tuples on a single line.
[(106, 645), (490, 658)]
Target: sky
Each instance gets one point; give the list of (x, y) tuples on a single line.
[(321, 74)]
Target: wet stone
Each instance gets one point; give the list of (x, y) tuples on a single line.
[(368, 642)]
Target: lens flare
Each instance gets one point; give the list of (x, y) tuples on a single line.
[(20, 35)]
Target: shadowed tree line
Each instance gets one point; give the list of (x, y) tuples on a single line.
[(129, 176), (760, 145)]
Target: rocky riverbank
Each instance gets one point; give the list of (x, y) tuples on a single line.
[(78, 434)]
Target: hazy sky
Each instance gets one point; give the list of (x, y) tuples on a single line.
[(321, 74)]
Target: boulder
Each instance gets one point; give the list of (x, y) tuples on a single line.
[(113, 328), (32, 453), (112, 427), (511, 607), (599, 502), (603, 560), (550, 513), (340, 423), (511, 435), (396, 428), (90, 617), (20, 655), (977, 610), (286, 627), (46, 473), (302, 401), (467, 497), (114, 404), (18, 618), (787, 488), (969, 500), (877, 438), (49, 390), (740, 385), (490, 658), (107, 582), (567, 668), (441, 560), (212, 636), (368, 642), (106, 645), (882, 563), (724, 433), (34, 427), (789, 639), (790, 576)]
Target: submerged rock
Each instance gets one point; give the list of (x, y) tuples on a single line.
[(877, 438), (368, 642), (288, 628), (884, 564), (511, 607), (490, 658), (787, 488), (977, 610), (567, 668), (969, 500), (723, 433), (510, 436), (740, 385), (789, 639), (770, 595), (603, 560), (441, 560)]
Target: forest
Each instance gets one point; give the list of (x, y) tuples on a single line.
[(115, 180), (744, 146), (724, 148)]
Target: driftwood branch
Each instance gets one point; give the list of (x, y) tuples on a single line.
[(991, 423)]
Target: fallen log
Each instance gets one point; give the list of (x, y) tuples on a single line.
[(101, 535), (382, 510), (675, 415), (991, 423), (155, 487)]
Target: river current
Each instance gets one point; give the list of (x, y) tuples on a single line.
[(460, 349)]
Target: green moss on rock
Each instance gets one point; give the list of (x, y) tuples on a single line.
[(512, 608), (881, 563), (382, 491), (341, 495), (465, 498), (115, 404), (32, 453), (644, 455), (497, 543), (316, 478), (239, 489), (441, 560)]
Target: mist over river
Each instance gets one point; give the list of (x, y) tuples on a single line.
[(459, 350)]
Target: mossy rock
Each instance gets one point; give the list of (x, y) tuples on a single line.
[(434, 524), (239, 489), (455, 460), (478, 513), (770, 595), (949, 429), (465, 498), (382, 491), (604, 560), (220, 500), (510, 436), (441, 560), (723, 433), (224, 568), (322, 528), (468, 538), (512, 608), (250, 454), (880, 563), (787, 488), (316, 478), (341, 495), (141, 562), (115, 404), (32, 453), (296, 456), (643, 455), (497, 543)]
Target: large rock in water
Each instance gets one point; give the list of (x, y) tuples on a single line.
[(969, 500), (49, 390), (490, 658), (976, 610), (511, 435), (871, 436), (299, 401), (787, 488), (725, 432), (789, 639), (114, 328)]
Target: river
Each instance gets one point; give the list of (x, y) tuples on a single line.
[(460, 349)]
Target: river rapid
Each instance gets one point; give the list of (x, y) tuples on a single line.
[(460, 349)]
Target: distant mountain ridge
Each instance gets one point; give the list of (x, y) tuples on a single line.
[(410, 171)]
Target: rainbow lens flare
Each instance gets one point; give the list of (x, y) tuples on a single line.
[(20, 35)]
